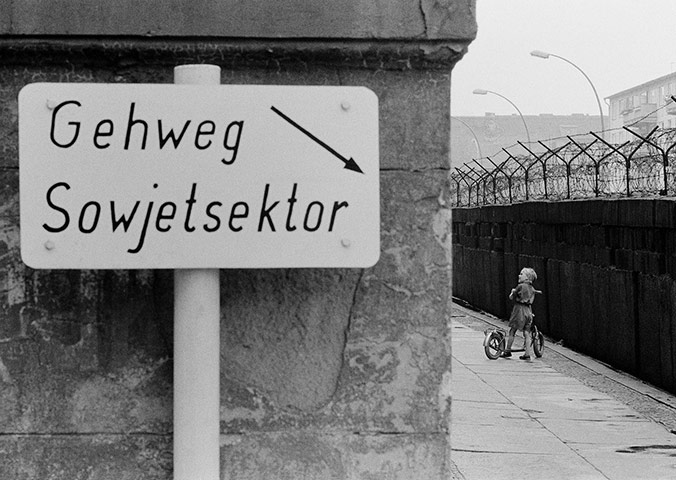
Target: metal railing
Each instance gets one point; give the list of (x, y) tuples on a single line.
[(578, 168)]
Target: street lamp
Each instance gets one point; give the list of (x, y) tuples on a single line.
[(476, 139), (545, 55), (481, 91)]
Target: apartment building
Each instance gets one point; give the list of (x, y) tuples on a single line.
[(642, 107)]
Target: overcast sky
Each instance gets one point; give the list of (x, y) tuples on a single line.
[(617, 43)]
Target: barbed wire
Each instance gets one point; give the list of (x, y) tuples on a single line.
[(583, 166)]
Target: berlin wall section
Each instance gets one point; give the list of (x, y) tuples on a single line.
[(325, 373), (607, 268)]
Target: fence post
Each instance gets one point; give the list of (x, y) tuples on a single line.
[(665, 155), (525, 177)]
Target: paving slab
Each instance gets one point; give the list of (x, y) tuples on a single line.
[(525, 420), (505, 466)]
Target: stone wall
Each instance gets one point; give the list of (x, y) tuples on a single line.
[(325, 373), (607, 268)]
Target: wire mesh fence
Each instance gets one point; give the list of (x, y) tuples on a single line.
[(581, 167)]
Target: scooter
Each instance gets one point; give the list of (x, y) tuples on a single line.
[(495, 341)]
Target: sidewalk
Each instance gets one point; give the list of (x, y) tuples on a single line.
[(513, 419)]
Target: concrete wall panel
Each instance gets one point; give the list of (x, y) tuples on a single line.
[(622, 304), (553, 324), (650, 318), (609, 271), (497, 289)]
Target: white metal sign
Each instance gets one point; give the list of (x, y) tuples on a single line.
[(184, 176)]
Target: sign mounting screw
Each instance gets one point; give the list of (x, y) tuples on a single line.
[(345, 242), (51, 104), (49, 245), (345, 105)]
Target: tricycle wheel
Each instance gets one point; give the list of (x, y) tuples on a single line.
[(495, 346)]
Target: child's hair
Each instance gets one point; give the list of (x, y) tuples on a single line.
[(530, 274)]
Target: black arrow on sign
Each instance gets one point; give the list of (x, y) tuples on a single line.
[(350, 164)]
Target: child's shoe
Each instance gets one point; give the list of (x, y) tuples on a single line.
[(506, 354), (524, 357)]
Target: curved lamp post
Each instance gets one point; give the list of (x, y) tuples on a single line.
[(476, 139), (545, 55), (481, 91)]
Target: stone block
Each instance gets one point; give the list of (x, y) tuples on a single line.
[(509, 237), (571, 309), (486, 243), (586, 299), (624, 258), (569, 212), (499, 230), (635, 212), (564, 251), (621, 348), (597, 235), (668, 335), (653, 306), (649, 263), (602, 256), (610, 213), (460, 215), (665, 213), (592, 211), (586, 254), (498, 291), (601, 321), (501, 214), (484, 229), (93, 456), (307, 455), (555, 324)]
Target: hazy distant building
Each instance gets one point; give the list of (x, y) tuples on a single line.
[(476, 137), (642, 107)]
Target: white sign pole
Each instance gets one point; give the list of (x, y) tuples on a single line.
[(196, 349)]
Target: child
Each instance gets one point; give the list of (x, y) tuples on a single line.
[(522, 315)]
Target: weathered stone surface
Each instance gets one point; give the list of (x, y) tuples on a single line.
[(429, 19), (284, 332), (77, 457), (80, 357), (413, 106), (385, 331), (324, 456), (325, 373), (298, 455)]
